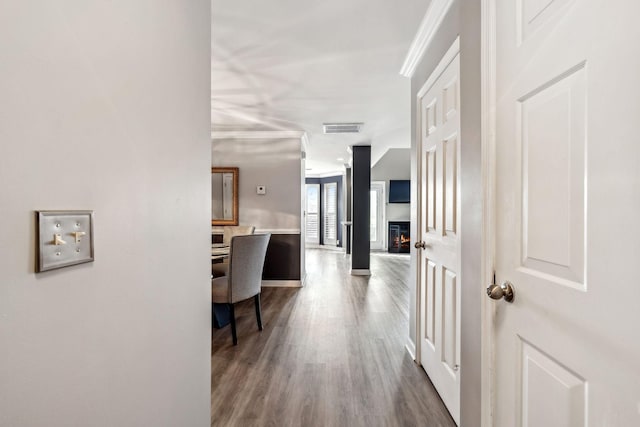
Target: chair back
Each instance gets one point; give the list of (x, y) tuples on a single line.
[(246, 261), (235, 230)]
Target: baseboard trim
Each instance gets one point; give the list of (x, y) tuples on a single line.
[(281, 284), (360, 272), (411, 349)]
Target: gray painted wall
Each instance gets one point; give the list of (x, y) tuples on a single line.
[(105, 106), (463, 19), (395, 164), (274, 163)]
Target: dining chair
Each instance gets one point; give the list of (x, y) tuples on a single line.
[(244, 278), (220, 268)]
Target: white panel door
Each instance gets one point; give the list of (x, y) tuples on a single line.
[(439, 327), (567, 350)]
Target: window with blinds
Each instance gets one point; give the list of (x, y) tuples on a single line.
[(330, 213), (312, 214)]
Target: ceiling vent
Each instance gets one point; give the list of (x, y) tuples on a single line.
[(342, 127)]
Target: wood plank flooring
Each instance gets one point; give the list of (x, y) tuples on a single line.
[(331, 353)]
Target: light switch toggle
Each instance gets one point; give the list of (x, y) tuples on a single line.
[(78, 235), (57, 240)]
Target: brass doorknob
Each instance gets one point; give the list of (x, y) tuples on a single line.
[(505, 291), (421, 245)]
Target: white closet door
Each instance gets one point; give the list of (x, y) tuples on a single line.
[(439, 270), (567, 350)]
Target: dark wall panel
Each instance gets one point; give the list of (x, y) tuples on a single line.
[(283, 258), (361, 178)]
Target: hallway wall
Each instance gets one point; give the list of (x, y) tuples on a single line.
[(447, 33), (462, 19), (105, 106)]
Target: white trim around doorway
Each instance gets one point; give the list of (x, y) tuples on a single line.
[(488, 154)]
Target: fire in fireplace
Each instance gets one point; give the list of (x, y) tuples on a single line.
[(399, 238)]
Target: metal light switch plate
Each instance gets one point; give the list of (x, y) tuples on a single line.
[(64, 238)]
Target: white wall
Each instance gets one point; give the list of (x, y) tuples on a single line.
[(273, 162), (394, 164), (105, 106)]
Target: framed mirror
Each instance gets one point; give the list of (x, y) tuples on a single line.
[(224, 196)]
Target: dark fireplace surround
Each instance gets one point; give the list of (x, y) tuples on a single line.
[(399, 237)]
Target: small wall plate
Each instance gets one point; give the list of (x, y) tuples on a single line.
[(64, 238)]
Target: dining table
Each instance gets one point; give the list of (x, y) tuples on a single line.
[(219, 251)]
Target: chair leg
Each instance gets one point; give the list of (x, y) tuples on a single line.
[(256, 300), (232, 315)]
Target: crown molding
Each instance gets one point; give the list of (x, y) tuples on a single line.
[(426, 32), (259, 134)]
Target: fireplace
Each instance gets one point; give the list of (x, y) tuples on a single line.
[(399, 239)]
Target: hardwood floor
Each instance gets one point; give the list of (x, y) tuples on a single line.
[(331, 353)]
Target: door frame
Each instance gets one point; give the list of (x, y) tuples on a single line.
[(487, 171), (487, 147), (488, 161)]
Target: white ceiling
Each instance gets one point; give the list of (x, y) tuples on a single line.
[(294, 65)]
